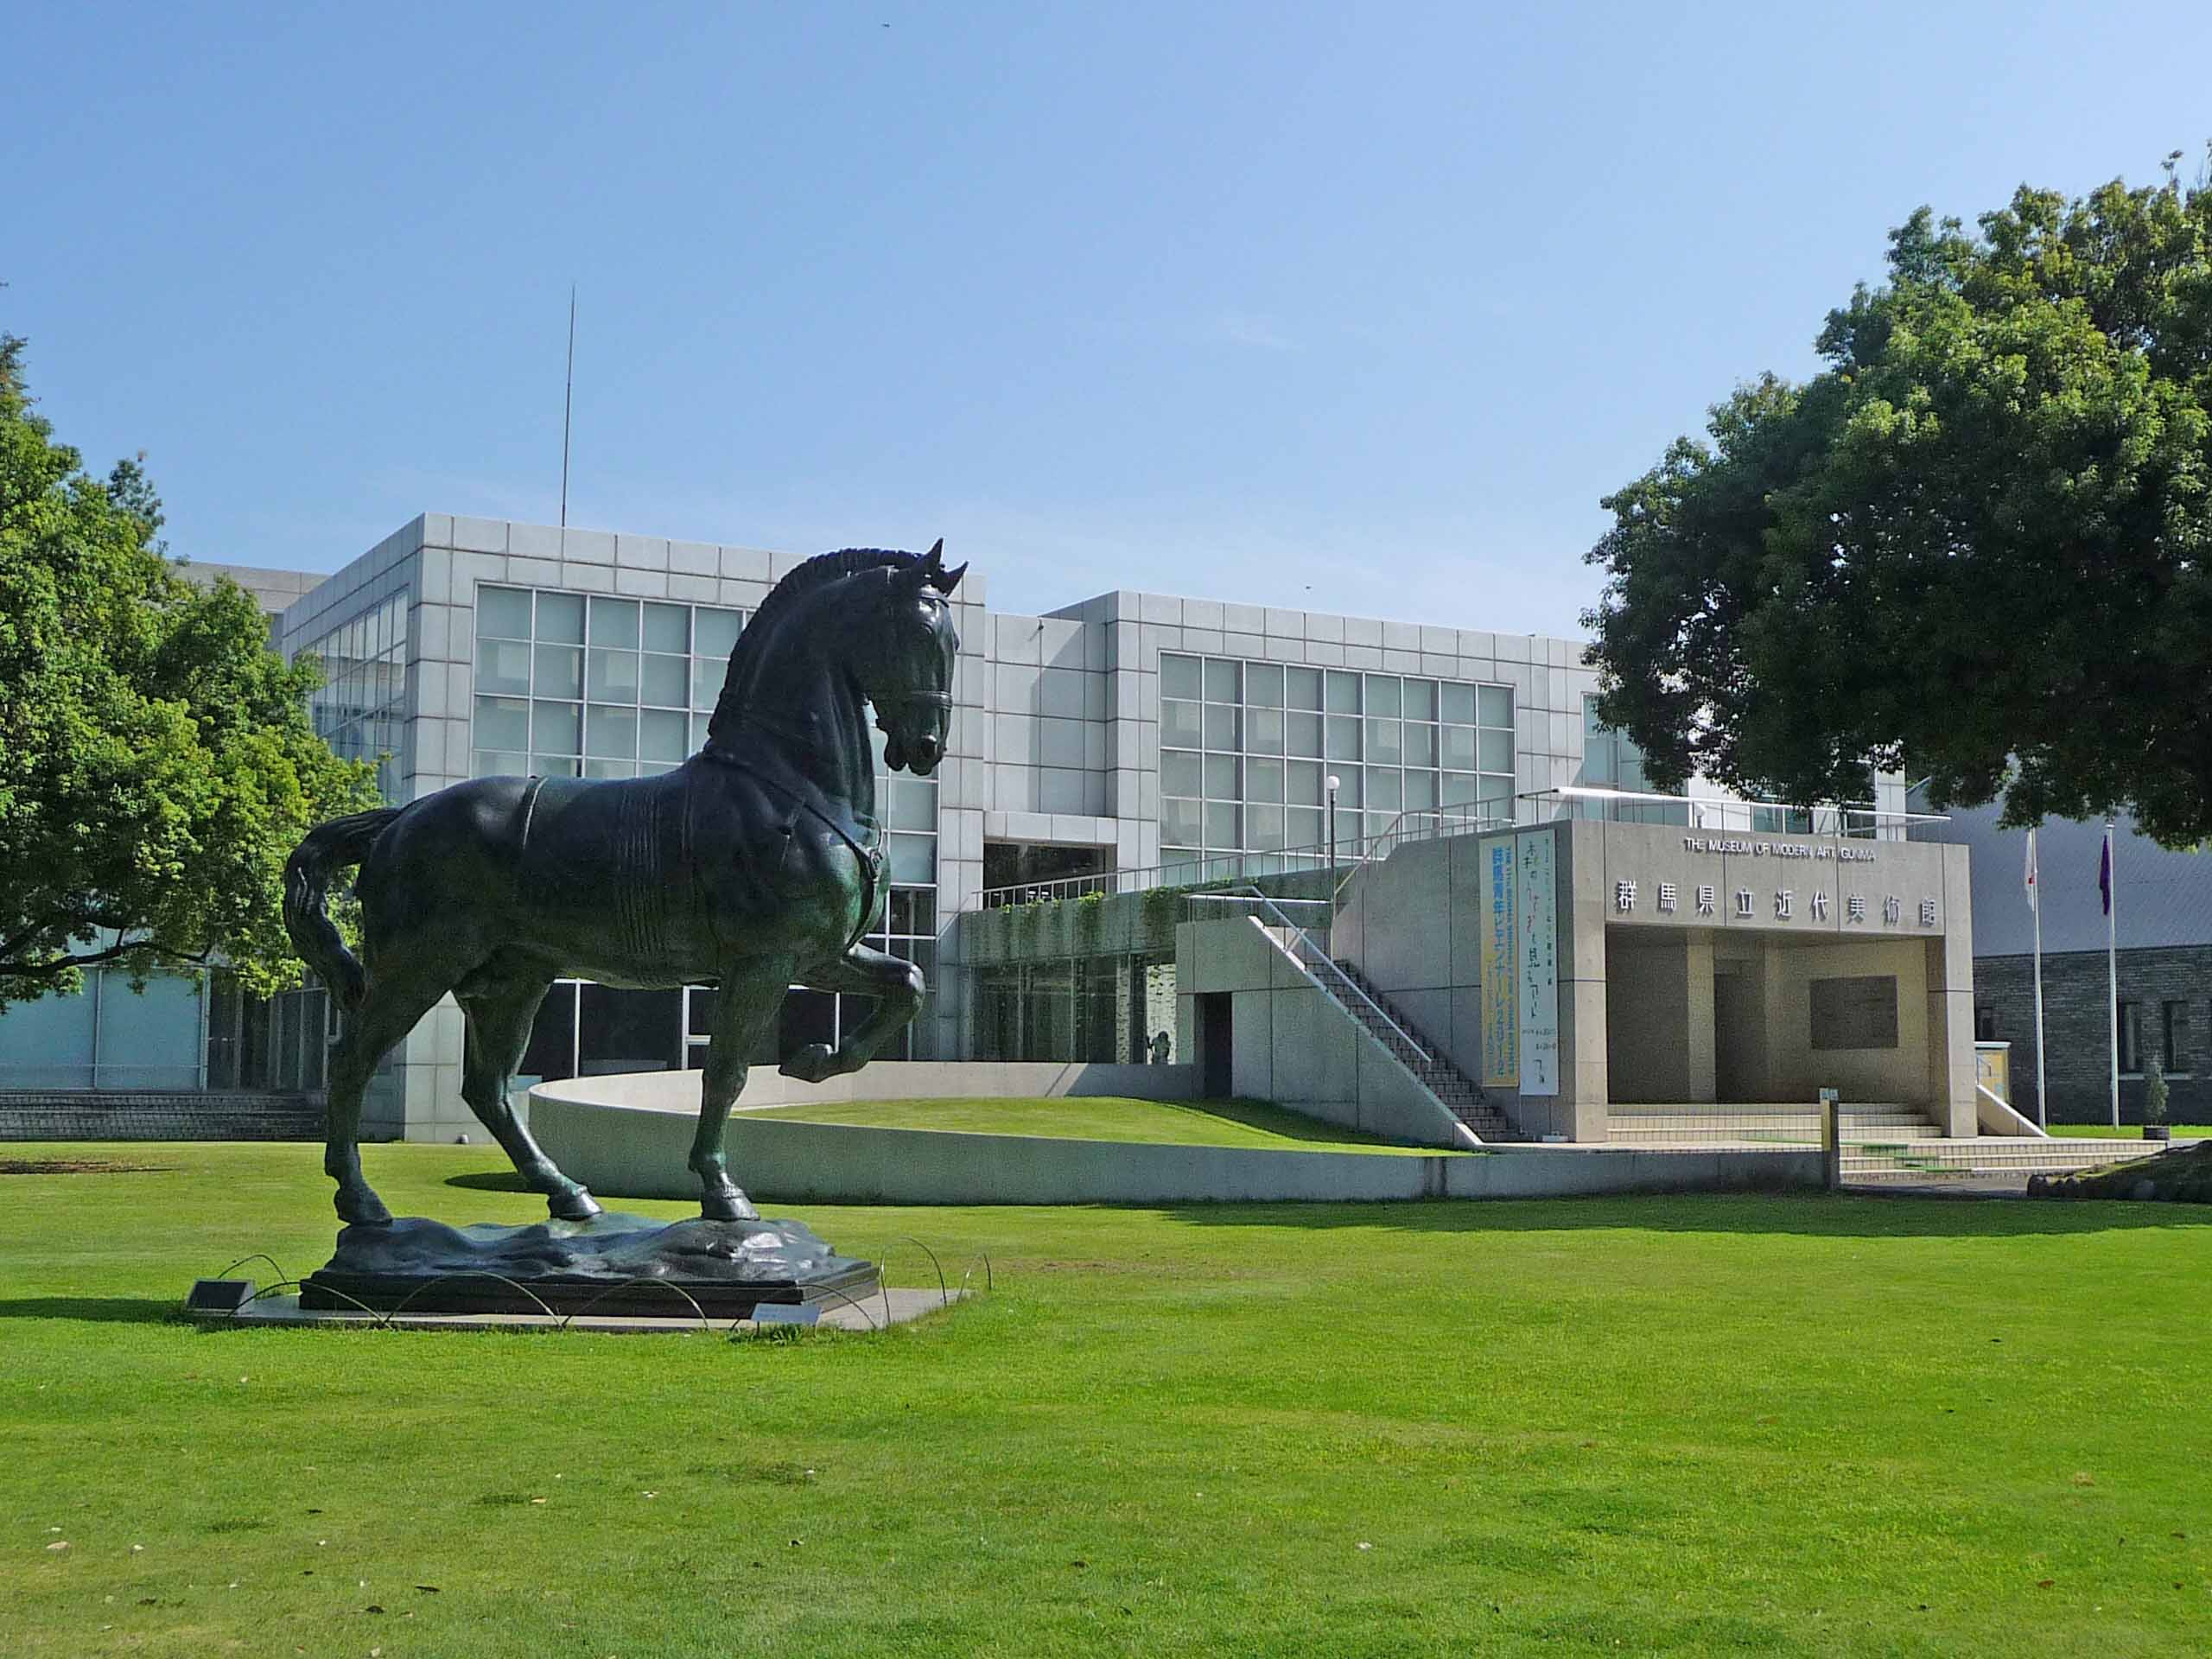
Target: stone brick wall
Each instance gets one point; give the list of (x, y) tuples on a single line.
[(60, 1115), (2077, 1028)]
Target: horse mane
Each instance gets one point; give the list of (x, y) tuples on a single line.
[(818, 571)]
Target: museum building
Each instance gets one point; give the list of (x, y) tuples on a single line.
[(1436, 781)]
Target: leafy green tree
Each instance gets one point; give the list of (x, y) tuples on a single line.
[(1978, 544), (157, 763)]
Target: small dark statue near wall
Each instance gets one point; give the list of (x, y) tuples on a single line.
[(756, 865)]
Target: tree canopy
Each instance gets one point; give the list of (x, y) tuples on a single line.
[(1974, 546), (156, 762)]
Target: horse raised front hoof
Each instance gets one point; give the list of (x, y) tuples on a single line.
[(811, 1063)]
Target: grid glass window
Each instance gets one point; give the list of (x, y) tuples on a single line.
[(587, 685), (1610, 759), (1246, 749), (360, 708)]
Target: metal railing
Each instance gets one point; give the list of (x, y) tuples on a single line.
[(1848, 820), (1418, 823), (1302, 942), (1213, 867)]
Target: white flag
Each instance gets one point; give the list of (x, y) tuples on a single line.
[(2029, 878)]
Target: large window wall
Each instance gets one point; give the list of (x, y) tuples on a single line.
[(1117, 1009), (587, 685), (1246, 750), (596, 686), (361, 705)]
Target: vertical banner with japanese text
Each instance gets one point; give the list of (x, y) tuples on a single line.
[(1500, 964), (1538, 881)]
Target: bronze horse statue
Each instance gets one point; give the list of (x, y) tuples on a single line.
[(756, 865)]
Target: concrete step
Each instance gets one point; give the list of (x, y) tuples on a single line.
[(1989, 1154)]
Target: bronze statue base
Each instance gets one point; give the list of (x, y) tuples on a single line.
[(610, 1264)]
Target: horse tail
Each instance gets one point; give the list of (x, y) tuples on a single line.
[(337, 845)]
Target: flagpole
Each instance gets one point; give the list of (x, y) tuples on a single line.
[(2035, 880), (2111, 961)]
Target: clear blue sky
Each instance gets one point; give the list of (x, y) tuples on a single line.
[(1360, 307)]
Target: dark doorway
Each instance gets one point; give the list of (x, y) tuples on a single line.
[(1739, 1034), (1216, 1078)]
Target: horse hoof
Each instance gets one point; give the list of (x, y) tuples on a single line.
[(362, 1208), (728, 1205), (811, 1063), (578, 1205)]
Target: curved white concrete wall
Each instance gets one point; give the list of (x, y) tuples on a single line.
[(628, 1137)]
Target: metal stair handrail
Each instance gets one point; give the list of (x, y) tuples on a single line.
[(1467, 819), (1254, 896)]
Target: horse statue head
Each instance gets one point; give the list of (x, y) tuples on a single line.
[(908, 676), (863, 627)]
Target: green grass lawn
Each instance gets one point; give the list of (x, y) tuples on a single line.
[(1801, 1425), (1104, 1117), (2127, 1131)]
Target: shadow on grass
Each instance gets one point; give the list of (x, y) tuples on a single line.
[(1808, 1214), (489, 1180), (99, 1309)]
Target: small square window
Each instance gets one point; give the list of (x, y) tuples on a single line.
[(715, 632), (665, 681), (1263, 684), (1224, 683), (560, 671), (1343, 692), (1459, 702), (611, 676), (1180, 676), (503, 613), (1302, 688), (668, 627), (561, 619), (614, 622), (1263, 731), (611, 733), (557, 727)]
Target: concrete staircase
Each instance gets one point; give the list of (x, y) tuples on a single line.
[(1988, 1154), (1882, 1140), (1459, 1094), (158, 1115), (1770, 1124), (1349, 990)]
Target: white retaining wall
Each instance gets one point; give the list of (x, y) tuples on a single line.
[(628, 1137)]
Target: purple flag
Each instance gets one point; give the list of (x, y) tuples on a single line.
[(2104, 872)]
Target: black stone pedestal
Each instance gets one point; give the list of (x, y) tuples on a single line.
[(612, 1264)]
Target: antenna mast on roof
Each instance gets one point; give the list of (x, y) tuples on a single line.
[(568, 403)]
